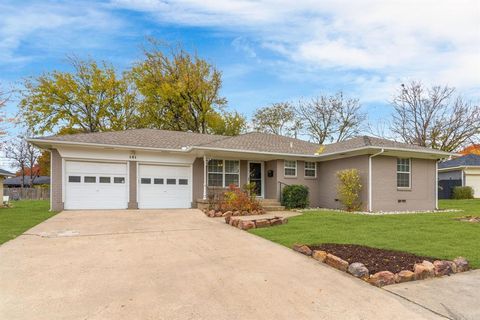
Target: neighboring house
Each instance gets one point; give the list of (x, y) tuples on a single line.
[(462, 171), (16, 182), (4, 174), (148, 168)]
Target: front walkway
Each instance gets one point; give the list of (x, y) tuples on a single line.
[(174, 264)]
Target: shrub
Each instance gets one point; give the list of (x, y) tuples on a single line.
[(349, 189), (237, 199), (295, 196), (462, 193)]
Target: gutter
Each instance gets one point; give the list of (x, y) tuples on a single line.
[(370, 205)]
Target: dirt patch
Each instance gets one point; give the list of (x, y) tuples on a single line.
[(473, 219), (374, 259)]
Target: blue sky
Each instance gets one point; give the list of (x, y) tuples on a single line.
[(268, 51)]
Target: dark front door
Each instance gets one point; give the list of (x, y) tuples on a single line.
[(255, 176)]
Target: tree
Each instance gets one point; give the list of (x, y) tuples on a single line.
[(44, 163), (179, 91), (3, 102), (92, 98), (434, 117), (331, 118), (33, 153), (228, 124), (16, 150), (278, 118)]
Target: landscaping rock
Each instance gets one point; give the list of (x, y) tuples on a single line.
[(302, 249), (262, 223), (275, 221), (227, 214), (453, 266), (442, 268), (358, 270), (424, 270), (227, 219), (462, 264), (235, 222), (319, 255), (236, 213), (336, 262), (244, 213), (404, 276), (382, 278), (218, 214), (211, 213), (246, 224), (254, 212)]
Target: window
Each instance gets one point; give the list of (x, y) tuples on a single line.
[(104, 180), (118, 180), (222, 173), (171, 181), (183, 181), (403, 173), (89, 179), (74, 179), (290, 168), (145, 181), (158, 181), (311, 169)]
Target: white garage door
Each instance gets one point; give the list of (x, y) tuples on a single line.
[(474, 182), (163, 186), (95, 185)]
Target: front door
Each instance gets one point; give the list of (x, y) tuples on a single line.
[(256, 176)]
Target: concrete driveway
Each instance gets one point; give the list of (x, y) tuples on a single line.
[(174, 264)]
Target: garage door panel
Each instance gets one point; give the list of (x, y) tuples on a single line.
[(95, 185), (162, 186), (474, 182)]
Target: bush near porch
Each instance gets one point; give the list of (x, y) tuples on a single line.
[(425, 234)]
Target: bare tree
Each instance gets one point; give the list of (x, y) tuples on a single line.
[(331, 118), (33, 153), (278, 118), (434, 117), (17, 150)]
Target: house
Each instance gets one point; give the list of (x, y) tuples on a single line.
[(148, 168), (16, 182), (462, 171), (4, 174)]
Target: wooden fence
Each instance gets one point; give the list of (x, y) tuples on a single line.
[(27, 193)]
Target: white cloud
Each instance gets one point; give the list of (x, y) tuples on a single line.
[(433, 41)]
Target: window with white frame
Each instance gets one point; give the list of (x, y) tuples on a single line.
[(403, 173), (223, 173), (310, 169), (290, 168)]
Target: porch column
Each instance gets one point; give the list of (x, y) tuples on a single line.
[(205, 163)]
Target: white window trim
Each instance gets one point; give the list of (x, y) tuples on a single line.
[(223, 172), (305, 170), (409, 174), (285, 167)]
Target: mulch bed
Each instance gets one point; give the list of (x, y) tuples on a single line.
[(374, 259)]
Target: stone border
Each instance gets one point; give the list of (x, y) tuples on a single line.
[(217, 213), (424, 270), (245, 224)]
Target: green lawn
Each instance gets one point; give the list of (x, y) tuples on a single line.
[(22, 216), (429, 234)]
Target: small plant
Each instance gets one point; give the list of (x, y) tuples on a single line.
[(462, 193), (349, 188), (236, 199), (295, 196)]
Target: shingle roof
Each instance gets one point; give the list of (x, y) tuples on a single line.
[(463, 161), (5, 173), (16, 181), (253, 141)]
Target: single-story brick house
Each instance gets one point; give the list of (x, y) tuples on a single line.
[(462, 171), (148, 168)]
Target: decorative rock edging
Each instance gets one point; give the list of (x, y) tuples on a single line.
[(424, 270), (217, 213), (255, 223)]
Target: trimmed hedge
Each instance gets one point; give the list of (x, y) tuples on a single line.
[(462, 193), (295, 196)]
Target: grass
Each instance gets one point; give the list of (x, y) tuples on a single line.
[(22, 216), (427, 234)]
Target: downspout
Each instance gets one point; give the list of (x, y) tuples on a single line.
[(370, 206), (436, 184), (205, 177)]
